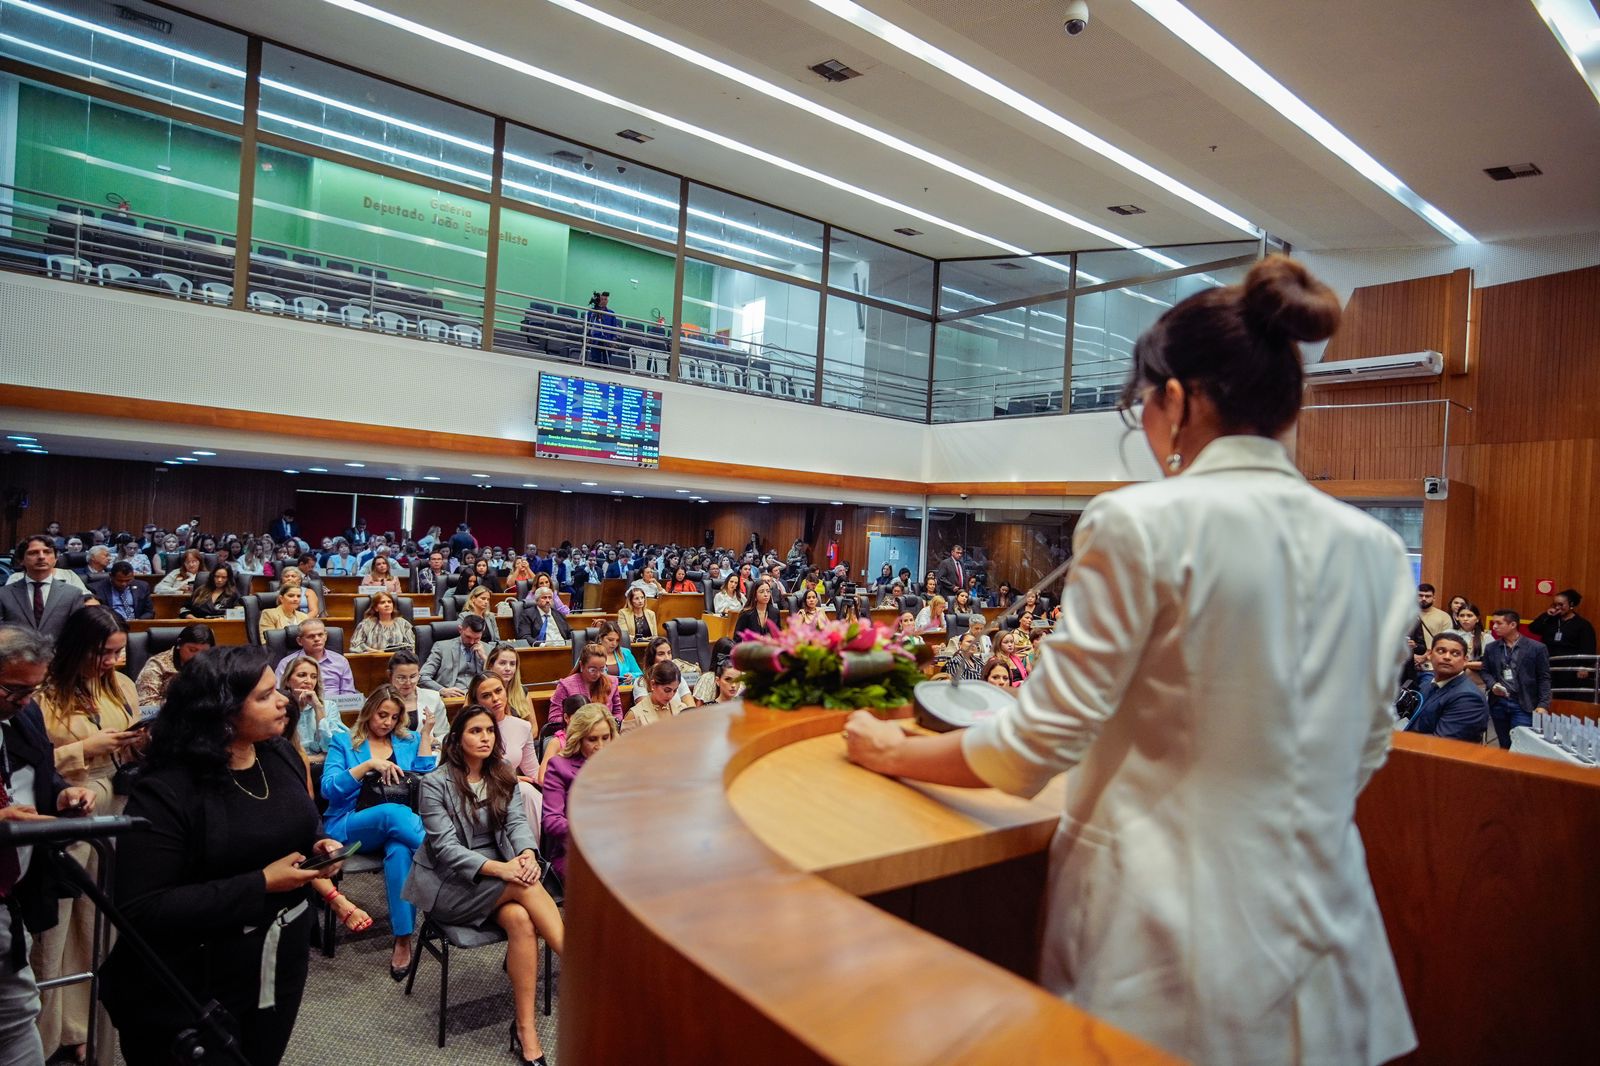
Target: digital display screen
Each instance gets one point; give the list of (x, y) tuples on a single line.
[(597, 421)]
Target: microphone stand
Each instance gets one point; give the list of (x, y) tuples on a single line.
[(212, 1039)]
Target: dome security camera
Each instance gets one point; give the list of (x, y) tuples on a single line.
[(588, 161), (621, 169), (1076, 19)]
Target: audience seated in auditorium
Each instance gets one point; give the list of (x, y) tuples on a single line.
[(659, 650), (313, 642), (382, 628), (1451, 704), (638, 622), (97, 566), (660, 699), (544, 580), (161, 668), (505, 664), (405, 675), (1006, 648), (308, 602), (317, 717), (589, 730), (453, 663), (182, 579), (932, 616), (541, 625), (680, 581), (124, 593), (215, 598), (380, 751), (811, 612), (431, 579), (128, 552), (892, 597), (379, 573), (727, 599), (516, 739), (999, 672), (480, 601), (287, 613), (966, 664), (648, 583), (722, 684), (762, 615), (591, 680), (88, 707), (479, 865)]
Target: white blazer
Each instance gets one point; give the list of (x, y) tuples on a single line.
[(1229, 644)]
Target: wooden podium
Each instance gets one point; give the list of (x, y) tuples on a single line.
[(738, 893)]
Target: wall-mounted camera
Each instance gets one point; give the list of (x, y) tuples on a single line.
[(621, 169), (1076, 18), (1435, 488), (588, 161)]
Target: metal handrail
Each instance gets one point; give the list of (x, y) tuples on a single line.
[(1589, 693)]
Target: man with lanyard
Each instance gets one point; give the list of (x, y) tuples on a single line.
[(1517, 672), (28, 782), (1565, 632)]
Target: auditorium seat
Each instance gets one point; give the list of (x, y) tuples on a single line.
[(281, 643), (690, 640), (403, 606)]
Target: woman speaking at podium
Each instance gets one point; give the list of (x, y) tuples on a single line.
[(1217, 683)]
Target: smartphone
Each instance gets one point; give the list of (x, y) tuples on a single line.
[(143, 723), (328, 860)]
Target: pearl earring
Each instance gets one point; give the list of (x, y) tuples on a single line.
[(1175, 458)]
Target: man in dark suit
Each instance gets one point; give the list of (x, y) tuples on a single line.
[(28, 784), (1451, 704), (462, 540), (950, 575), (356, 535), (97, 566), (541, 624), (123, 593), (44, 598), (285, 527)]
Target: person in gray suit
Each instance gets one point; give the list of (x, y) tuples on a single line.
[(452, 664), (44, 599), (479, 862)]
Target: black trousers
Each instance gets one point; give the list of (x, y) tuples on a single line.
[(263, 1034)]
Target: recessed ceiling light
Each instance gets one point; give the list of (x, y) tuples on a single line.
[(763, 497), (170, 462), (430, 477), (317, 469), (763, 502), (566, 492), (31, 447), (702, 500), (618, 492), (480, 475), (37, 451), (530, 484), (288, 471), (835, 503), (684, 492), (20, 436), (1576, 26), (637, 496), (186, 459), (590, 484), (660, 118), (197, 452), (357, 466), (391, 478)]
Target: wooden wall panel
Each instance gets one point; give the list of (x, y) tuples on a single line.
[(1538, 358)]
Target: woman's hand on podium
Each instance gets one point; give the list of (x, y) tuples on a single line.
[(873, 743)]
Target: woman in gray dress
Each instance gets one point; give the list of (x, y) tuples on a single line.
[(479, 862)]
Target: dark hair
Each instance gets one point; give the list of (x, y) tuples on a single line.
[(500, 780), (122, 566), (989, 666), (402, 658), (196, 721), (604, 628), (665, 673), (477, 683), (48, 542), (1474, 609), (1425, 587), (1509, 615), (85, 633), (1453, 636), (197, 634), (650, 650), (721, 650), (1573, 596), (473, 622), (1237, 345)]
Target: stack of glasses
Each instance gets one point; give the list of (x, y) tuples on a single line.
[(1575, 734)]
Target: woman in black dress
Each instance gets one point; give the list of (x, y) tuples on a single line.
[(215, 883)]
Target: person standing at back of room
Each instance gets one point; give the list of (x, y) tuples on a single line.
[(1209, 891)]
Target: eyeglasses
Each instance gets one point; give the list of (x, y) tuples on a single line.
[(18, 693), (1131, 406)]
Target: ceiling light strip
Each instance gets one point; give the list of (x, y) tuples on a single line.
[(1189, 28), (500, 59), (1576, 26), (888, 140), (95, 27), (938, 58)]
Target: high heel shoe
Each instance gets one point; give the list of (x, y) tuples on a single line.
[(516, 1049)]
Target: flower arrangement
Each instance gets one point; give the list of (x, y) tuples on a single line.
[(836, 665)]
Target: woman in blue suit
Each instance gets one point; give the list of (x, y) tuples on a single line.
[(380, 743)]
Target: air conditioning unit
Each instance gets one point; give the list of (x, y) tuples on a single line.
[(1410, 366)]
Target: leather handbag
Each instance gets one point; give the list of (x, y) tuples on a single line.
[(374, 791)]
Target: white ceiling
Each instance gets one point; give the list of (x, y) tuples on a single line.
[(1436, 90)]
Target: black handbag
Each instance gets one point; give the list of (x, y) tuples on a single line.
[(374, 791)]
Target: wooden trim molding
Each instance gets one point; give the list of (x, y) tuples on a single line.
[(1024, 488)]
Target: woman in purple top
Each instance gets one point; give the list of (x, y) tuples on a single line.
[(590, 681), (589, 730)]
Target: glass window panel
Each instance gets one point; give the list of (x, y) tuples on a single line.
[(1098, 268), (330, 106), (1012, 547), (550, 172), (875, 360), (549, 273), (1002, 363), (860, 265), (1106, 325), (111, 184), (743, 230), (747, 332), (159, 53), (350, 236), (970, 283)]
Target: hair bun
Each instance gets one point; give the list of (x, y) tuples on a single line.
[(1281, 298)]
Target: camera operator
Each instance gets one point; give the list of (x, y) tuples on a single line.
[(603, 322), (28, 783)]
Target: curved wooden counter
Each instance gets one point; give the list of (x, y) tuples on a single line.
[(691, 941)]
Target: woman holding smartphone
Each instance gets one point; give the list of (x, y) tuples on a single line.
[(479, 863)]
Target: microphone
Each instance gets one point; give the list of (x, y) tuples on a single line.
[(65, 830)]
